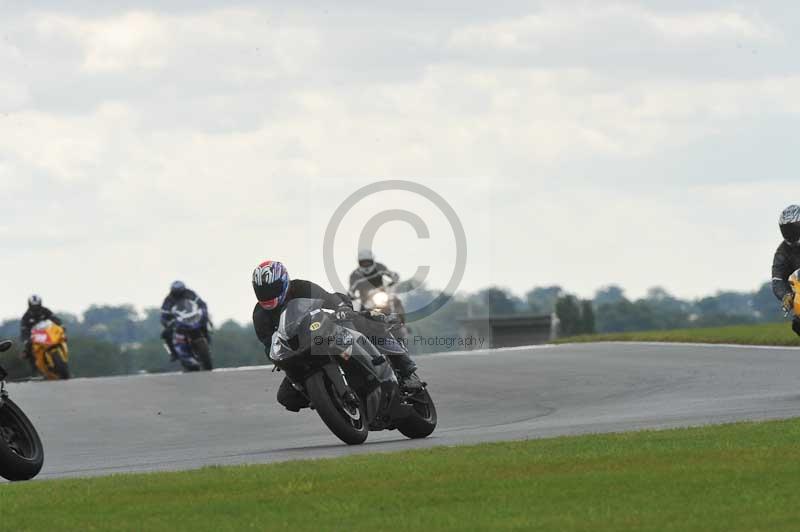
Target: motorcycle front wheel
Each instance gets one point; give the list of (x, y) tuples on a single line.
[(203, 353), (422, 421), (21, 451), (57, 361), (347, 420)]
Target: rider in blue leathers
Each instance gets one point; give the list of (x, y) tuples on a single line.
[(177, 291)]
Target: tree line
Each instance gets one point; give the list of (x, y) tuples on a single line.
[(609, 310), (117, 340)]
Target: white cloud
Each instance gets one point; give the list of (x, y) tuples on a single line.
[(151, 41), (710, 25), (609, 25), (131, 41), (13, 95), (66, 148)]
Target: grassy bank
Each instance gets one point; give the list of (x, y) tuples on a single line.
[(761, 334), (726, 478)]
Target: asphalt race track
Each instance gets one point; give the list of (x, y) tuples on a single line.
[(181, 421)]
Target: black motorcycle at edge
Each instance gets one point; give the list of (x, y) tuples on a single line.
[(21, 452), (348, 381)]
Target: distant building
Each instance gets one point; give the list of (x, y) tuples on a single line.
[(511, 330)]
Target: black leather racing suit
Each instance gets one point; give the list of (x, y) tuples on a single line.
[(265, 323), (785, 262)]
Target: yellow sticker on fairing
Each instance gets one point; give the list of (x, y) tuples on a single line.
[(316, 325)]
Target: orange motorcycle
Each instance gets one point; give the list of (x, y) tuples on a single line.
[(50, 352)]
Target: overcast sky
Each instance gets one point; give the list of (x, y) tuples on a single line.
[(583, 143)]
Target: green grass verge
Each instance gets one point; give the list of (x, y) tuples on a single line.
[(723, 478), (761, 334)]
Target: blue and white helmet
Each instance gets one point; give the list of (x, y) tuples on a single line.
[(270, 284)]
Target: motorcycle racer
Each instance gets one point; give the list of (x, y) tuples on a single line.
[(368, 275), (177, 291), (36, 313), (787, 260), (273, 289)]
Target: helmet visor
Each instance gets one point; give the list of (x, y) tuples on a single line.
[(791, 232), (366, 263), (270, 291)]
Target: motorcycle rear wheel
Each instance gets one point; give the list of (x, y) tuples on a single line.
[(349, 424), (21, 451)]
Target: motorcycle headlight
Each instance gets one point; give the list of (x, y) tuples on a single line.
[(380, 299)]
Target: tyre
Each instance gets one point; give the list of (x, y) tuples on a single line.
[(59, 363), (346, 420), (422, 421), (189, 365), (21, 452), (203, 353)]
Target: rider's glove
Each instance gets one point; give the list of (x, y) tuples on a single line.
[(788, 302), (393, 319), (345, 313), (388, 319)]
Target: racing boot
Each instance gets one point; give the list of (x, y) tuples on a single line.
[(405, 368), (410, 382)]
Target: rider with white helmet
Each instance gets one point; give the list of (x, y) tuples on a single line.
[(787, 259), (368, 275), (36, 313)]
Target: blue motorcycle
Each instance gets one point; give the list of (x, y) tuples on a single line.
[(190, 337)]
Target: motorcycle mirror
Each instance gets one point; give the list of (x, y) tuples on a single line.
[(5, 345)]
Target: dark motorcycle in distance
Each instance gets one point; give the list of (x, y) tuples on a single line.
[(190, 336), (384, 299), (21, 452), (347, 380)]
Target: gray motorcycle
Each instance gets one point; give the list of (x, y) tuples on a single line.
[(346, 378)]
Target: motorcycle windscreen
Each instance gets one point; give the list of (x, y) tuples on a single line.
[(293, 315), (188, 312)]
